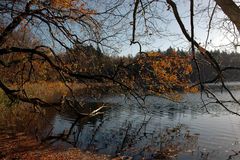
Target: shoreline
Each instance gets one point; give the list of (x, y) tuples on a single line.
[(22, 146)]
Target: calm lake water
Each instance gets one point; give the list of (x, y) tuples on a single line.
[(157, 129)]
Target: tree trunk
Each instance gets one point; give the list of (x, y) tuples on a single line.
[(231, 10)]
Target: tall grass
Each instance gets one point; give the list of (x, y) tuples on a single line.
[(47, 91), (17, 115), (4, 100)]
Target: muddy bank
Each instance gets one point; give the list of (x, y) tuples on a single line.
[(20, 146)]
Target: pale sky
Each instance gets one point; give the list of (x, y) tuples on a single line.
[(161, 18), (218, 38)]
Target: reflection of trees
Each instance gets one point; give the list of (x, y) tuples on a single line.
[(129, 139), (27, 119), (234, 156), (161, 145), (71, 135)]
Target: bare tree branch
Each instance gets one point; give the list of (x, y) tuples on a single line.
[(231, 10)]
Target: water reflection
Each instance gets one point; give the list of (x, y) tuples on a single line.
[(134, 141), (163, 130)]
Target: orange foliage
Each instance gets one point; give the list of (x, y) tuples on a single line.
[(168, 73), (62, 3), (73, 5)]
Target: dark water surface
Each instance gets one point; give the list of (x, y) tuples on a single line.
[(156, 130)]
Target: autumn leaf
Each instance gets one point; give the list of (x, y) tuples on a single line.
[(166, 73)]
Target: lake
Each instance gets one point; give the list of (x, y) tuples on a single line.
[(156, 129)]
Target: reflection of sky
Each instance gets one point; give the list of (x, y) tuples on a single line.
[(218, 131), (164, 21), (60, 125)]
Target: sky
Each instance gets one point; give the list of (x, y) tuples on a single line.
[(159, 31), (218, 38)]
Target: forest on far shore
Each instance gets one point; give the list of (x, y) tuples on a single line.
[(90, 60)]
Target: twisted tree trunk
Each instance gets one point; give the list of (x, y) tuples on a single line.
[(231, 9)]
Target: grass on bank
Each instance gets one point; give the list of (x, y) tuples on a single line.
[(16, 119)]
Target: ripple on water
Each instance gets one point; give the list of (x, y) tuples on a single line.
[(216, 135)]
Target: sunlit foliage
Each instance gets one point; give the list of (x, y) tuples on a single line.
[(72, 5), (166, 74)]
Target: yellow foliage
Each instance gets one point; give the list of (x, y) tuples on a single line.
[(62, 3), (74, 5), (188, 69), (153, 54), (169, 73), (191, 89)]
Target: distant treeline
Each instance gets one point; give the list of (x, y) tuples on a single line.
[(105, 64), (88, 60), (207, 72), (224, 59)]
